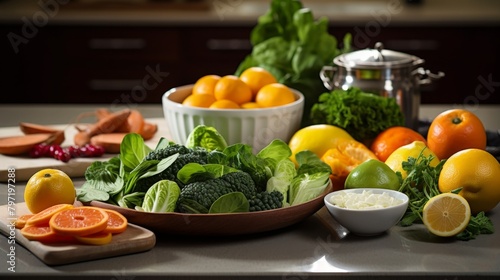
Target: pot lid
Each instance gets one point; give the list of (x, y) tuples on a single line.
[(377, 58)]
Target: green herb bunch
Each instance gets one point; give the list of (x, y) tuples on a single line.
[(421, 184)]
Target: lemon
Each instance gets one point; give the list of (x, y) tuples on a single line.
[(317, 138), (446, 214), (47, 188), (401, 154), (372, 174), (477, 172)]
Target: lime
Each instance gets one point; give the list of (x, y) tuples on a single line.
[(372, 174)]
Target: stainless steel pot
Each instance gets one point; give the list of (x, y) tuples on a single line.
[(384, 72)]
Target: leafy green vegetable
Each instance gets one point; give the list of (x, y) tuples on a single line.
[(130, 200), (206, 137), (478, 224), (293, 46), (133, 150), (280, 181), (420, 185), (313, 177), (363, 115), (309, 162), (233, 202), (102, 181), (202, 194), (306, 187), (161, 197), (266, 201)]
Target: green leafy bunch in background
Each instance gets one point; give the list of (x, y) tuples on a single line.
[(291, 44)]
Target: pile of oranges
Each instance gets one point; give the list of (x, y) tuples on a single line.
[(254, 88)]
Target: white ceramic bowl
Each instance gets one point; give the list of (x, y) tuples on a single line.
[(255, 127), (368, 222)]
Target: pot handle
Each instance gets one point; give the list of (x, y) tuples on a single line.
[(326, 74), (426, 76)]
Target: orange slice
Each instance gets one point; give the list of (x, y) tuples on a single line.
[(99, 238), (43, 217), (44, 234), (79, 221), (446, 214), (117, 223), (21, 221)]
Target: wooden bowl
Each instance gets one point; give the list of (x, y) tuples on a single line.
[(220, 224)]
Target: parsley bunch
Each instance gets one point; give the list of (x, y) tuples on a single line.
[(421, 184)]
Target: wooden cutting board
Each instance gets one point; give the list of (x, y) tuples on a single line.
[(25, 166), (134, 240)]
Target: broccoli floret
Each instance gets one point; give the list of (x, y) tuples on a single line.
[(266, 201), (206, 192), (186, 155)]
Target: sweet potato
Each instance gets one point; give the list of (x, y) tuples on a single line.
[(107, 124), (109, 141), (148, 130), (17, 145), (32, 128), (134, 123)]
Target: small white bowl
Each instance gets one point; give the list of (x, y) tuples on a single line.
[(368, 222), (255, 127)]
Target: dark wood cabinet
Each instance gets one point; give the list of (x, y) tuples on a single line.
[(137, 64)]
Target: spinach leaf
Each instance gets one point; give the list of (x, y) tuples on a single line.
[(233, 202), (133, 151), (146, 169)]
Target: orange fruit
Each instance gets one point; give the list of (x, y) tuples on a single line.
[(477, 173), (224, 104), (38, 233), (273, 95), (43, 234), (205, 85), (345, 156), (199, 100), (80, 221), (117, 223), (256, 78), (446, 214), (43, 217), (454, 130), (21, 221), (99, 238), (392, 138), (48, 187), (232, 88), (250, 105)]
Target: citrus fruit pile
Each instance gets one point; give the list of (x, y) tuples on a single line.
[(254, 88), (67, 223)]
